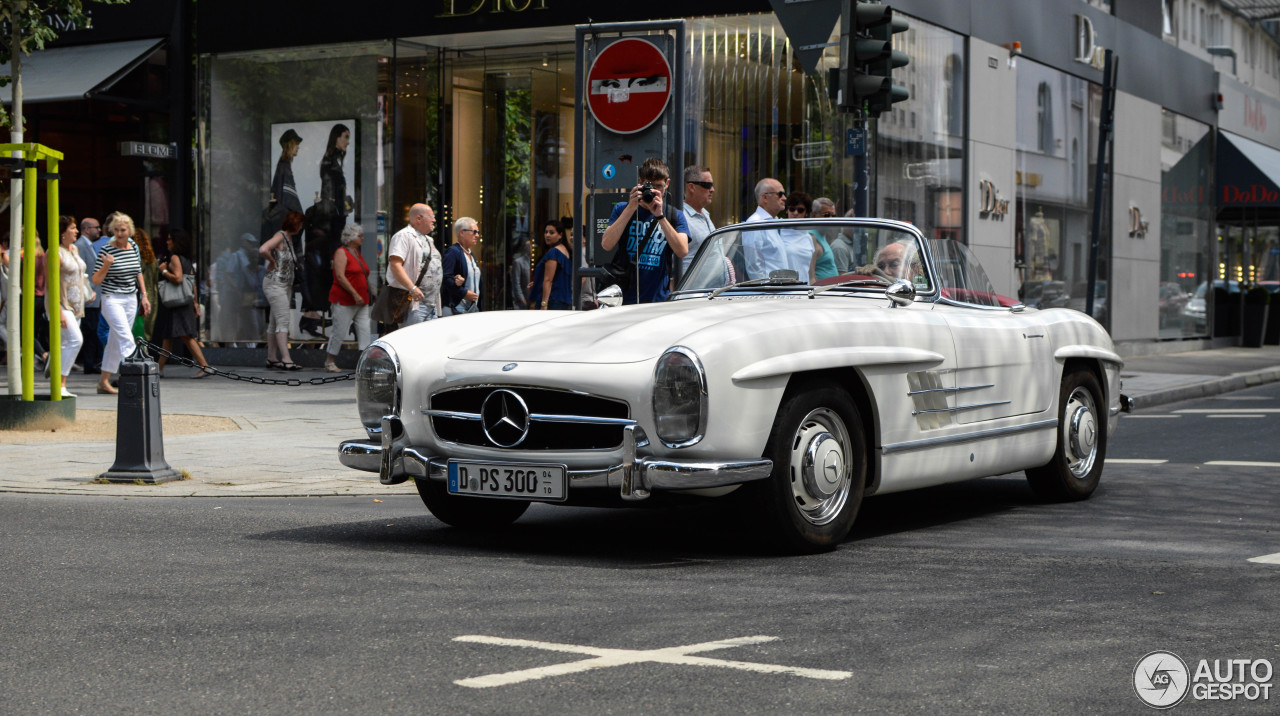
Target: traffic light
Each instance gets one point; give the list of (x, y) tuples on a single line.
[(869, 58), (884, 66)]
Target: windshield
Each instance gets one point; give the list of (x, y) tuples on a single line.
[(797, 252), (962, 278)]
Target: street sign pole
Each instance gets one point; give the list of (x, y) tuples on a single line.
[(610, 143)]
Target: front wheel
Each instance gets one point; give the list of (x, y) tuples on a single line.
[(1076, 467), (468, 512), (819, 469)]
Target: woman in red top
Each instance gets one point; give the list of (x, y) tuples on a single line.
[(349, 295)]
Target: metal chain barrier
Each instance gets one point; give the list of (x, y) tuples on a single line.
[(259, 380)]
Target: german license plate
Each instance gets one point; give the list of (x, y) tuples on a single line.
[(512, 480)]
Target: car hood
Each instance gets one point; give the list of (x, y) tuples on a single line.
[(626, 334)]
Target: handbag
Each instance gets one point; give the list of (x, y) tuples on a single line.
[(177, 295), (392, 304)]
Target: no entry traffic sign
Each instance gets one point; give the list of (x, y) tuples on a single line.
[(629, 85)]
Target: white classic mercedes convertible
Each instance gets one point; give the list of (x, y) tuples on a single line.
[(804, 396)]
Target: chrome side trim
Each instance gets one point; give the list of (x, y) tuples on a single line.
[(957, 408), (969, 437), (950, 390), (536, 417), (981, 307)]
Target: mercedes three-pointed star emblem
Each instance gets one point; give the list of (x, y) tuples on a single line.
[(505, 418)]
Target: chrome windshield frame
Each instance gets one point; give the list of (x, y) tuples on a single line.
[(922, 248)]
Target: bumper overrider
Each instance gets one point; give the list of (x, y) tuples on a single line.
[(635, 478)]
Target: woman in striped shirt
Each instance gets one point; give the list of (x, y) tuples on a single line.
[(119, 274)]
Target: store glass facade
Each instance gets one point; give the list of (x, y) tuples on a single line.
[(1186, 209), (919, 144), (1057, 127), (487, 132), (751, 113), (255, 103)]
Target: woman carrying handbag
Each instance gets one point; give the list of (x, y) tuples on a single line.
[(277, 286), (179, 312)]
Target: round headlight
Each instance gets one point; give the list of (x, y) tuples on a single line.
[(679, 398), (376, 377)]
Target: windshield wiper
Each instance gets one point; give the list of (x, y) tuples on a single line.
[(772, 281), (855, 282)]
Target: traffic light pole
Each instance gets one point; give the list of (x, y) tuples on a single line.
[(861, 175), (1105, 126), (867, 61)]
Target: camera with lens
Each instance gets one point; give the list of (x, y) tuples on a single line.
[(646, 192)]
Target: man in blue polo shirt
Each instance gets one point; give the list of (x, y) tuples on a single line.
[(653, 236)]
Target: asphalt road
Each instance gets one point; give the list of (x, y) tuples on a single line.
[(970, 598)]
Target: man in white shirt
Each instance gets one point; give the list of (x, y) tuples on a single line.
[(699, 188), (409, 247), (765, 251)]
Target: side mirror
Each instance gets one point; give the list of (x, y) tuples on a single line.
[(610, 296), (901, 293)]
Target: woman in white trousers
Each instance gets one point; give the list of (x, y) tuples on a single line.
[(119, 273), (73, 291)]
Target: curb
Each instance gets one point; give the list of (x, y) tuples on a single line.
[(1238, 381)]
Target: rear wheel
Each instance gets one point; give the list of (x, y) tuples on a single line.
[(1076, 467), (819, 468), (468, 512)]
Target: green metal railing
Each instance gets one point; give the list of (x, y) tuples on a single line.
[(32, 155)]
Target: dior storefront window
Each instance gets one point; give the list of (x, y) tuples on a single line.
[(919, 144), (300, 129), (1186, 212), (1057, 119)]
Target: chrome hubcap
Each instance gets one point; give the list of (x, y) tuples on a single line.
[(819, 466), (1080, 433)]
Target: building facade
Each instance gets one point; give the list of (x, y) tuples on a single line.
[(468, 105)]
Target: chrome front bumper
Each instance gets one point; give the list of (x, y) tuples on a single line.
[(634, 478)]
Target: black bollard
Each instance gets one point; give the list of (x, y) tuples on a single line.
[(139, 440)]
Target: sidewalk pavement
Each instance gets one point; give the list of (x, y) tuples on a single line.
[(287, 437)]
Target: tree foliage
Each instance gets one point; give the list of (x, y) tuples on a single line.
[(37, 23)]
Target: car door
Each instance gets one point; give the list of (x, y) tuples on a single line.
[(1001, 355)]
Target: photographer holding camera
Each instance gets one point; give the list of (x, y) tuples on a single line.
[(642, 266)]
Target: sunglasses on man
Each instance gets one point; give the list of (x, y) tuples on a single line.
[(704, 184)]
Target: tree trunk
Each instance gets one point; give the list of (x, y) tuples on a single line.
[(14, 296)]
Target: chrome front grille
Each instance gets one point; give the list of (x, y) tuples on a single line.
[(527, 418)]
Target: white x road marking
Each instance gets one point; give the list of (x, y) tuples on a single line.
[(621, 657)]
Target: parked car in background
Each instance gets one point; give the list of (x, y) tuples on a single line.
[(1045, 294), (1194, 313), (1172, 300), (1081, 290), (804, 399)]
